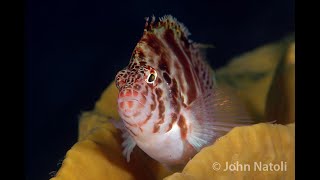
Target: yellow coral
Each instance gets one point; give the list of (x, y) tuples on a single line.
[(248, 152), (97, 154)]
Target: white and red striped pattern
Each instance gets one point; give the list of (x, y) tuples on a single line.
[(165, 116)]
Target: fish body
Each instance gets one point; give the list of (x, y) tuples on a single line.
[(168, 102)]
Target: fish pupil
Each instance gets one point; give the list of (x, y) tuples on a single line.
[(151, 78)]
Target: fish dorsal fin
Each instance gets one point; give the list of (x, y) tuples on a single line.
[(216, 113), (202, 68), (166, 22)]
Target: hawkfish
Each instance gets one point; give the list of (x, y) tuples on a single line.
[(170, 105)]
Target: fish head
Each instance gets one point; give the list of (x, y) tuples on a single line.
[(136, 98)]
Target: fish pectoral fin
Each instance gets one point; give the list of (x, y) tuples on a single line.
[(128, 144), (198, 141), (215, 114)]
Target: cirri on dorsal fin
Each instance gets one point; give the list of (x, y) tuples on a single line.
[(167, 22)]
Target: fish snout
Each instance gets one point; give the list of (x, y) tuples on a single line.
[(129, 103)]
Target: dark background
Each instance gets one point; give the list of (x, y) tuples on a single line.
[(74, 49)]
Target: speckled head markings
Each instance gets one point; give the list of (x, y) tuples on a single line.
[(167, 99)]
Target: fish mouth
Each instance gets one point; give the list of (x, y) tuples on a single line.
[(133, 112), (129, 106), (126, 99)]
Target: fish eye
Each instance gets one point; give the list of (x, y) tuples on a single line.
[(151, 77)]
